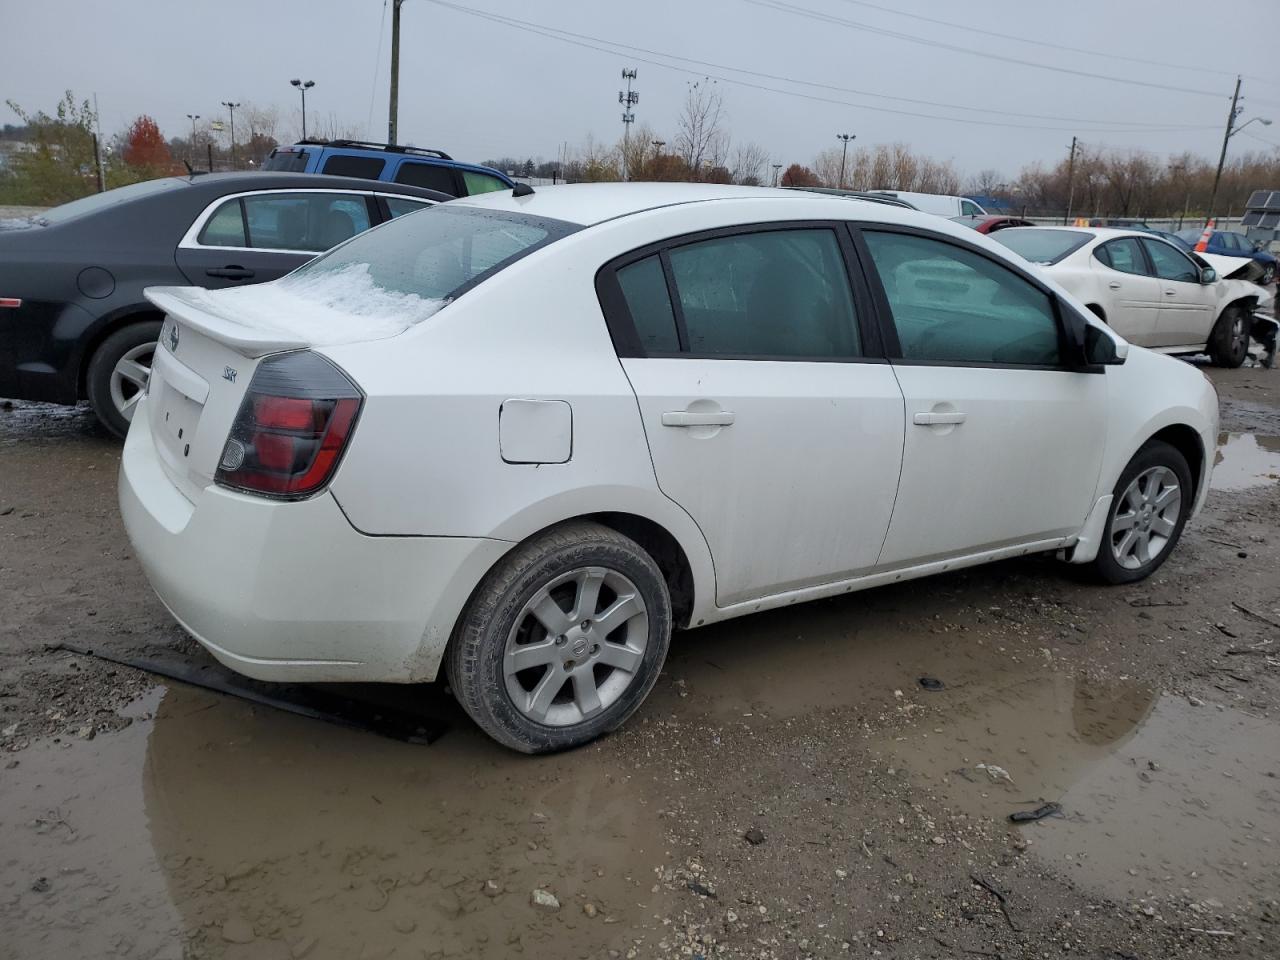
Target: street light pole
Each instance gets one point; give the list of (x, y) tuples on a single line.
[(844, 152), (1222, 157), (193, 117), (777, 168), (232, 108), (1071, 181), (393, 104), (302, 89)]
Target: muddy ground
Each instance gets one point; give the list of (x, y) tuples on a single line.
[(790, 789)]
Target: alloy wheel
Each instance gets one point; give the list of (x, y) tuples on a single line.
[(1146, 517), (129, 378), (576, 646)]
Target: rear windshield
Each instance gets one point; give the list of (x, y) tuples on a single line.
[(1042, 246), (287, 161), (440, 252), (96, 202)]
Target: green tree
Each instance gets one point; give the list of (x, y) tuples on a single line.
[(61, 167)]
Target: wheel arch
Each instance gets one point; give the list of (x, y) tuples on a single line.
[(117, 320), (1186, 440)]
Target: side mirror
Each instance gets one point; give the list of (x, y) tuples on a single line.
[(1208, 275)]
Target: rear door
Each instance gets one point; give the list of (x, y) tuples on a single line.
[(1132, 293), (433, 176), (1187, 305), (255, 237), (771, 415), (1003, 444)]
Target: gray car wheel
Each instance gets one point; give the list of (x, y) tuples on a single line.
[(563, 640), (118, 373)]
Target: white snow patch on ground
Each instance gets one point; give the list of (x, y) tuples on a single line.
[(323, 307)]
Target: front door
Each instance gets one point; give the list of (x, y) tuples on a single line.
[(1003, 445), (766, 420), (1187, 305)]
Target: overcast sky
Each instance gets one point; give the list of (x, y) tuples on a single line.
[(478, 88)]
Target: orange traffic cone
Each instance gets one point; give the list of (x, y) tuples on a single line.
[(1203, 243)]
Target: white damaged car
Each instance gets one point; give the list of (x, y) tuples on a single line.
[(1147, 289), (517, 439)]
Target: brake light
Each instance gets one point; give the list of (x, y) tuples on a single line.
[(292, 427)]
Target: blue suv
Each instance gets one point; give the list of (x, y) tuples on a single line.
[(414, 166)]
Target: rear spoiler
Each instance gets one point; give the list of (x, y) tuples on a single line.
[(192, 307)]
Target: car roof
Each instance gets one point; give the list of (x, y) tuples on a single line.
[(362, 148), (230, 182), (591, 203)]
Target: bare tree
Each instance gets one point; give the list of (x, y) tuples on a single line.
[(985, 182), (700, 139), (747, 166)]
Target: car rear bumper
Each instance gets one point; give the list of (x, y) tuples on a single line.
[(291, 591)]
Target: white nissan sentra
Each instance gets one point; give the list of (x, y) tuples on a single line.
[(521, 438)]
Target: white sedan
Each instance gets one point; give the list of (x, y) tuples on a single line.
[(1148, 290), (519, 438)]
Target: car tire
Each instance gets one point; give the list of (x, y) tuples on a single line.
[(1149, 507), (1229, 342), (581, 664), (1268, 274), (118, 372)]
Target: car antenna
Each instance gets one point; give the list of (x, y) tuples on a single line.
[(522, 190), (190, 170)]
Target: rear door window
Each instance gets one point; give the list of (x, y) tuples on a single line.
[(345, 165), (307, 222), (429, 175), (777, 293), (225, 228), (644, 287), (399, 206), (1124, 255)]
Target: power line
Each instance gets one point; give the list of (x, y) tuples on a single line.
[(1044, 43), (1253, 136), (783, 7), (613, 47)]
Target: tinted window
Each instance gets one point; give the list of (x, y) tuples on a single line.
[(1043, 246), (969, 209), (1171, 264), (1123, 255), (225, 228), (308, 222), (950, 304), (440, 250), (481, 182), (399, 206), (644, 286), (287, 161), (341, 165), (427, 175), (782, 293)]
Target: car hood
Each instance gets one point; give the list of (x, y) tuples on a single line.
[(1233, 268)]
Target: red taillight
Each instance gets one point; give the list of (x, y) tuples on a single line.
[(292, 427)]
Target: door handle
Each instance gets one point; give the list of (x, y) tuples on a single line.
[(232, 272), (1171, 293), (1114, 284), (683, 418), (935, 419)]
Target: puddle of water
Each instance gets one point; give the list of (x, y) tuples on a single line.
[(1245, 460), (217, 829), (22, 420), (1158, 796)]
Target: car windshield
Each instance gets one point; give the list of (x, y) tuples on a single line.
[(438, 253), (96, 202), (1042, 246)]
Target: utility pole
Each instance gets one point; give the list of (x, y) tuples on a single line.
[(393, 109), (844, 152), (628, 100), (193, 117), (1222, 157), (1071, 181), (302, 89), (777, 168), (232, 107)]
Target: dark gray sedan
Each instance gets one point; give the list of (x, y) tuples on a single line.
[(74, 324)]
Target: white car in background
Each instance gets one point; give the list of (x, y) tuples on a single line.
[(1146, 289), (518, 438), (939, 204)]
